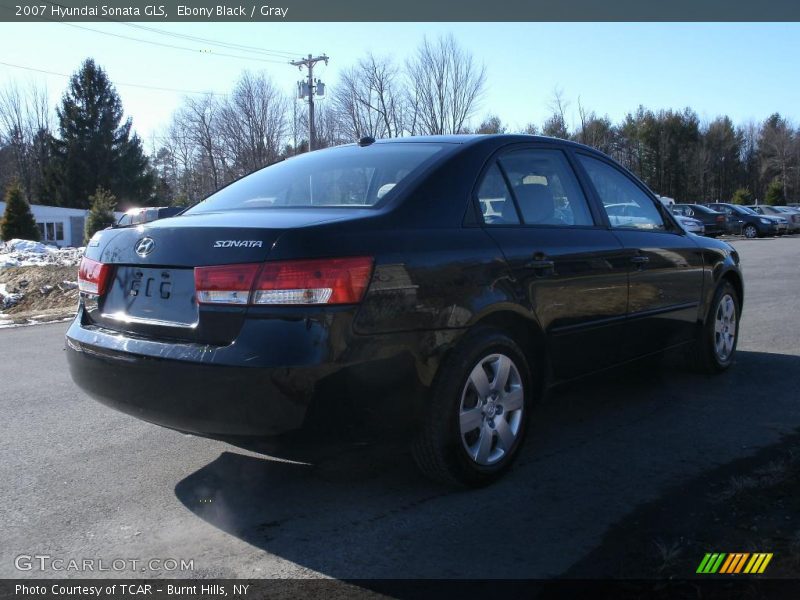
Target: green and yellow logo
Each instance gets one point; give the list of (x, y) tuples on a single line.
[(734, 563)]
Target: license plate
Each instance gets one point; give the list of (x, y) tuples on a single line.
[(152, 294)]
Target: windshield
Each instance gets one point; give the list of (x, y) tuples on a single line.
[(349, 176), (747, 211)]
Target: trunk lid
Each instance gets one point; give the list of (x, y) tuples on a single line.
[(152, 291)]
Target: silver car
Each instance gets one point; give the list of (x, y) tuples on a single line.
[(771, 212), (792, 215), (691, 225)]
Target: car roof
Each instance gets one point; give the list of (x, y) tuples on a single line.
[(476, 138)]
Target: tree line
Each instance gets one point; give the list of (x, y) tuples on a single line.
[(86, 146)]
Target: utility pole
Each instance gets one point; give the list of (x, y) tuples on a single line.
[(310, 88)]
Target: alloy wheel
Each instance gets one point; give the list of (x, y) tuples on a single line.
[(750, 232), (725, 328), (491, 409)]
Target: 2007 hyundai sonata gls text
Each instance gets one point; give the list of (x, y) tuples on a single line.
[(461, 274)]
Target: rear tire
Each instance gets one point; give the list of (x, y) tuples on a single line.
[(474, 425), (715, 345)]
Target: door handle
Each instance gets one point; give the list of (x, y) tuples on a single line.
[(541, 263), (640, 261)]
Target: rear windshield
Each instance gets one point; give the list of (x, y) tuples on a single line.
[(350, 176)]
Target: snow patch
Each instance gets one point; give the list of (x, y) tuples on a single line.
[(25, 253), (7, 299)]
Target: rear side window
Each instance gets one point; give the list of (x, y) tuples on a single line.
[(349, 176), (545, 188), (626, 205), (495, 200)]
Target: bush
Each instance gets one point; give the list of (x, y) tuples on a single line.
[(101, 215), (775, 193), (18, 221)]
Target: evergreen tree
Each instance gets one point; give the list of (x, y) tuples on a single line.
[(101, 215), (742, 196), (775, 193), (95, 147), (18, 221)]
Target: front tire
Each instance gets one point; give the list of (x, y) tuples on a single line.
[(750, 232), (715, 345), (476, 420)]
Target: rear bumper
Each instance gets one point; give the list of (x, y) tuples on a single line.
[(276, 376), (190, 397)]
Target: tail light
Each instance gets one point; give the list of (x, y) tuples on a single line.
[(294, 282), (93, 277), (227, 284), (721, 219)]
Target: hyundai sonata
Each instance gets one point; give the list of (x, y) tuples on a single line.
[(468, 273)]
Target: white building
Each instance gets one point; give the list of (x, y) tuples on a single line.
[(57, 225)]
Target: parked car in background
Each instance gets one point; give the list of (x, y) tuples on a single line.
[(747, 222), (374, 278), (792, 213), (140, 216), (715, 223), (791, 216), (691, 225)]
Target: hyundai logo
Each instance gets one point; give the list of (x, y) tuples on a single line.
[(144, 246)]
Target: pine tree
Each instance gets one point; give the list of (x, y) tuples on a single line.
[(95, 148), (742, 196), (18, 221), (101, 215), (775, 193)]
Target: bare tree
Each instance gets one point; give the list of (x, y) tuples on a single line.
[(491, 124), (556, 124), (368, 99), (25, 126), (597, 132), (252, 123), (777, 144), (201, 117), (445, 86)]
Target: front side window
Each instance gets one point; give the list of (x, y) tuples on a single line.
[(546, 189), (349, 176), (626, 205)]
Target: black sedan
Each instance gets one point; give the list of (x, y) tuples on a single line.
[(747, 222), (460, 274), (715, 223)]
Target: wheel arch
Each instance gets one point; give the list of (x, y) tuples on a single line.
[(735, 279), (526, 332)]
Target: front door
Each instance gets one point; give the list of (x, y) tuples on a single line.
[(666, 266)]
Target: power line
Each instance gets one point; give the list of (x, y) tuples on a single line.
[(136, 85), (173, 46), (161, 44), (232, 46), (241, 47)]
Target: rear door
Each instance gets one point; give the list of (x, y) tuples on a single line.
[(666, 265), (570, 272)]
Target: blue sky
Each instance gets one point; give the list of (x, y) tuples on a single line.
[(746, 71)]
